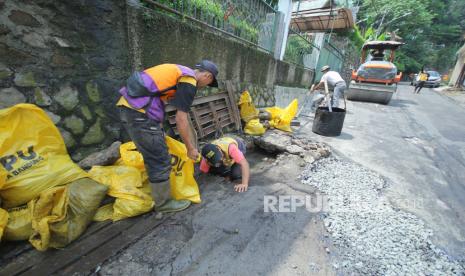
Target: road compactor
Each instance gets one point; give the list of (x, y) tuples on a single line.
[(377, 77)]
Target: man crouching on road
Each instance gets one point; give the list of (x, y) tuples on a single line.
[(225, 157), (334, 80), (142, 106)]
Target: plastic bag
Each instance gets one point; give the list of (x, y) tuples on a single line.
[(126, 185), (103, 213), (128, 181), (183, 184), (3, 221), (281, 118), (33, 154), (254, 127), (2, 177), (19, 225), (130, 156), (61, 214), (247, 108)]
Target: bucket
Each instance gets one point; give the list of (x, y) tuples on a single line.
[(328, 123)]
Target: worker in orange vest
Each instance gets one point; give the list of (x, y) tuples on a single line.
[(142, 106)]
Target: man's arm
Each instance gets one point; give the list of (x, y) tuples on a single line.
[(321, 83), (183, 127), (245, 177), (182, 100)]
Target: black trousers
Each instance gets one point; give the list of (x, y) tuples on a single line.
[(419, 86), (149, 137), (234, 172)]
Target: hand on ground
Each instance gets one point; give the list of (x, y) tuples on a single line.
[(240, 188)]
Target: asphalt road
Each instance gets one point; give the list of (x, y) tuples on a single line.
[(230, 234), (418, 143)]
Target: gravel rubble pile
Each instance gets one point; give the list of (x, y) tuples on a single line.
[(372, 236)]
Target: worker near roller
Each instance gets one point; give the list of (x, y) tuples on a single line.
[(226, 157), (334, 80), (142, 106)]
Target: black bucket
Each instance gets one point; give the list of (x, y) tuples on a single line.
[(328, 123)]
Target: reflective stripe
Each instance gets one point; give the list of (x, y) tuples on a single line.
[(224, 143), (156, 79), (122, 102), (189, 80)]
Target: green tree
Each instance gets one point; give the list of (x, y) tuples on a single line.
[(432, 30)]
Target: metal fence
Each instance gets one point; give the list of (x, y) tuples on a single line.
[(242, 19), (329, 55), (299, 48)]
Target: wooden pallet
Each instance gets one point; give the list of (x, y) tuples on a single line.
[(100, 242), (210, 114)]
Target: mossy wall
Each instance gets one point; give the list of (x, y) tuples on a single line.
[(71, 57)]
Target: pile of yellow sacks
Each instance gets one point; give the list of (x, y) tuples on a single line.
[(47, 199), (280, 117)]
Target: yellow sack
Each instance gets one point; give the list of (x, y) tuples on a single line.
[(126, 185), (183, 184), (281, 118), (254, 127), (130, 156), (19, 225), (103, 213), (2, 177), (33, 154), (3, 221), (61, 214), (247, 108)]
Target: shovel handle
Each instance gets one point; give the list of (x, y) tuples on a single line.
[(328, 98)]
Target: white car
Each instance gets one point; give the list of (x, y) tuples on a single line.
[(434, 79)]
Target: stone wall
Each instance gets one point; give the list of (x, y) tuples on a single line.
[(68, 57), (71, 57)]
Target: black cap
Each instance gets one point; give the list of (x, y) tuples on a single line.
[(210, 67), (213, 155)]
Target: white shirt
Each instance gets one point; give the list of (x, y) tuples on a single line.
[(332, 77)]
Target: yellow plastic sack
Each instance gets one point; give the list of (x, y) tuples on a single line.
[(33, 154), (254, 127), (103, 213), (183, 184), (19, 225), (130, 156), (61, 214), (281, 118), (247, 108), (3, 221), (126, 185), (2, 177)]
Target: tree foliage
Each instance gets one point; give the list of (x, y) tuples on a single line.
[(432, 30)]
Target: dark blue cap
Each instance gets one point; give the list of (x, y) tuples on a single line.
[(210, 67), (213, 155)]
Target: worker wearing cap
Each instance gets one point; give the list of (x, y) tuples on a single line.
[(225, 157), (142, 106), (335, 80)]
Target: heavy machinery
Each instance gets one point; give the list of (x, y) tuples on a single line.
[(376, 79)]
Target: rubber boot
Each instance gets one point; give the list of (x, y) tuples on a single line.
[(161, 194)]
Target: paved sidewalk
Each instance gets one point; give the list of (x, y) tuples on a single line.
[(456, 96)]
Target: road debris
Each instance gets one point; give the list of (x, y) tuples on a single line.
[(373, 237)]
